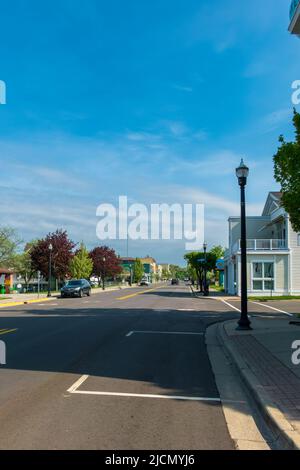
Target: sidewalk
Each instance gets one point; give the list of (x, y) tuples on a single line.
[(263, 359)]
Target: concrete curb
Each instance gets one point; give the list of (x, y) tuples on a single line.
[(287, 436)]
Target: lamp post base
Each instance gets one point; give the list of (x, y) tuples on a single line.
[(244, 325)]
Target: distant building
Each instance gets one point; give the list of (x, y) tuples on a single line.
[(150, 267), (273, 253), (294, 27)]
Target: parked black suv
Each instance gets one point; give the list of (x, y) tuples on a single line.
[(175, 282), (76, 288)]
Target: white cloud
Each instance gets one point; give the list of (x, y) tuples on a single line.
[(187, 89)]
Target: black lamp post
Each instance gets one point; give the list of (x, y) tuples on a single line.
[(130, 281), (244, 323), (50, 247), (103, 273), (205, 269)]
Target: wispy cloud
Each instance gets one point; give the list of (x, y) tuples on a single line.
[(186, 89)]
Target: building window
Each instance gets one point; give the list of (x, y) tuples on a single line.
[(298, 239), (263, 276)]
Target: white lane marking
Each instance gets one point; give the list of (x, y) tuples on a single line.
[(230, 305), (162, 310), (77, 384), (164, 333), (186, 310), (273, 308), (146, 395)]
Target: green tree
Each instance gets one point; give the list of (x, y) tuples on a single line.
[(138, 271), (23, 265), (9, 243), (287, 173), (196, 262), (165, 274), (81, 265), (218, 251)]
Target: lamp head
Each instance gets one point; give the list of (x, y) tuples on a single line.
[(242, 173)]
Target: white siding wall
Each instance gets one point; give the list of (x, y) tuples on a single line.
[(295, 260)]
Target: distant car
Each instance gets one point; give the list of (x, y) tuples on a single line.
[(175, 282), (76, 288), (145, 282)]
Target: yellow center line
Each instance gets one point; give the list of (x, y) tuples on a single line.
[(139, 293), (4, 332)]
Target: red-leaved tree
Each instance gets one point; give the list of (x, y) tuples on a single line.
[(62, 253), (105, 263)]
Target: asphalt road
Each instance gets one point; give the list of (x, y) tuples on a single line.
[(119, 370)]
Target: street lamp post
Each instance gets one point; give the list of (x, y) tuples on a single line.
[(130, 282), (103, 273), (205, 270), (50, 247), (244, 323)]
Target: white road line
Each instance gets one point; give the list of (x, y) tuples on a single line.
[(273, 308), (164, 333), (146, 395), (230, 305), (186, 310), (77, 384)]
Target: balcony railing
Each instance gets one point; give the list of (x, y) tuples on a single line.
[(263, 245)]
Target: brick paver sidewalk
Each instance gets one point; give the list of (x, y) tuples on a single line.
[(263, 357), (279, 382)]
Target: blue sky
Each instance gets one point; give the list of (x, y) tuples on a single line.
[(155, 100)]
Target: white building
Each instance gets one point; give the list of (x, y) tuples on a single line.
[(273, 253), (294, 27)]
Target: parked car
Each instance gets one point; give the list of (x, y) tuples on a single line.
[(175, 282), (76, 288), (145, 282)]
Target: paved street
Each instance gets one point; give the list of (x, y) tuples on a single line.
[(125, 370)]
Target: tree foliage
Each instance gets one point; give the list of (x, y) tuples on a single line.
[(197, 264), (81, 265), (106, 264), (9, 243), (177, 272), (218, 251), (61, 255), (287, 173), (23, 265), (138, 271)]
